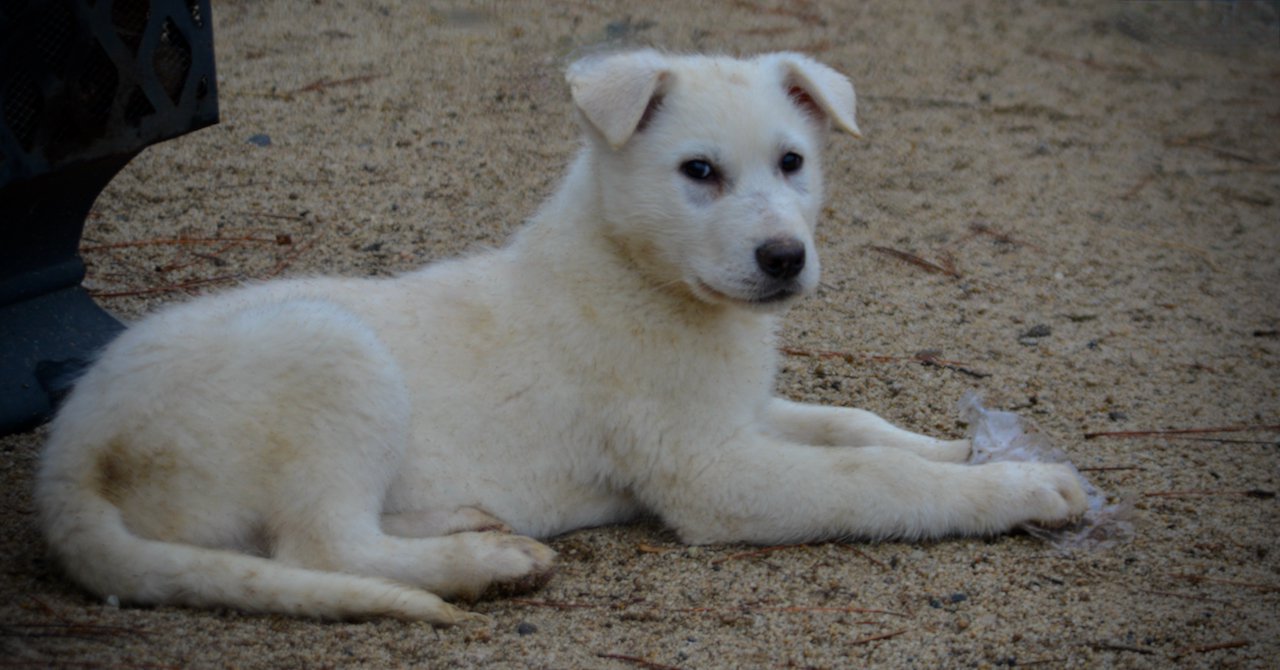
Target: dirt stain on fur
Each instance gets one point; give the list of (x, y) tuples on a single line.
[(281, 451), (120, 470)]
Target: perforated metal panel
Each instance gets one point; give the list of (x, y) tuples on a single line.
[(84, 79)]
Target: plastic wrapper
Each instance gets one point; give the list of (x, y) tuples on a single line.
[(1006, 436)]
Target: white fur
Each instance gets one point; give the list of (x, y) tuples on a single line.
[(356, 447)]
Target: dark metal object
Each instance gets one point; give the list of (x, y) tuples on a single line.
[(85, 85)]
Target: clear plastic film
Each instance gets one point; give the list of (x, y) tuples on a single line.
[(1006, 436)]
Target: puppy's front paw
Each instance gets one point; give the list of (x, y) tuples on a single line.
[(1053, 494)]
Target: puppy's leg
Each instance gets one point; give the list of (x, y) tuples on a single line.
[(760, 489), (334, 418), (332, 521), (462, 565), (846, 427), (329, 517), (435, 523)]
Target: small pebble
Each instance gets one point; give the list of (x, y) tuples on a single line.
[(1032, 335), (1039, 330), (526, 628), (261, 140)]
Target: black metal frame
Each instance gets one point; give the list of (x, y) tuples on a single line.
[(85, 85)]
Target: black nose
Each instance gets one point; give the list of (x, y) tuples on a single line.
[(781, 257)]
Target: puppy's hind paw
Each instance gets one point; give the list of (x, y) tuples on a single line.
[(415, 605), (514, 564), (469, 618), (451, 615), (541, 568)]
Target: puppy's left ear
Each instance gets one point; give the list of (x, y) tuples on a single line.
[(820, 90), (616, 92)]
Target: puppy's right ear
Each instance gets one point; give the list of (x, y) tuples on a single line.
[(816, 87), (616, 92)]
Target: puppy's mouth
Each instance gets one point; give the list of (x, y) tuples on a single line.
[(765, 296), (776, 296)]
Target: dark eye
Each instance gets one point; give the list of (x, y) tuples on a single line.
[(790, 162), (698, 170)]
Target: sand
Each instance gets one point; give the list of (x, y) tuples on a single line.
[(1070, 208)]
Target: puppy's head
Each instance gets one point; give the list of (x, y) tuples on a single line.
[(708, 169)]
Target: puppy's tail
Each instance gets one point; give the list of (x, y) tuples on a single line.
[(89, 535)]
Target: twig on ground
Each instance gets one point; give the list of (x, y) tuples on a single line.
[(800, 13), (1148, 239), (984, 228), (96, 665), (741, 609), (816, 46), (1137, 187), (1087, 61), (273, 215), (867, 556), (642, 662), (555, 604), (214, 257), (168, 288), (1227, 582), (175, 241), (1205, 493), (916, 260), (1270, 428), (755, 552), (45, 608), (1188, 596), (928, 103), (289, 258), (789, 609), (1195, 142), (1264, 169), (947, 261), (927, 358), (820, 609), (69, 630), (325, 84), (1112, 646), (1216, 646), (846, 357), (1225, 440), (881, 636), (224, 244), (1254, 198)]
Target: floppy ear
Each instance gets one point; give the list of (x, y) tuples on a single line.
[(820, 90), (616, 92)]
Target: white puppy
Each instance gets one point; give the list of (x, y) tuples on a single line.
[(359, 447)]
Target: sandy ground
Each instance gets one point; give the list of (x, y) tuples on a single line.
[(1075, 203)]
